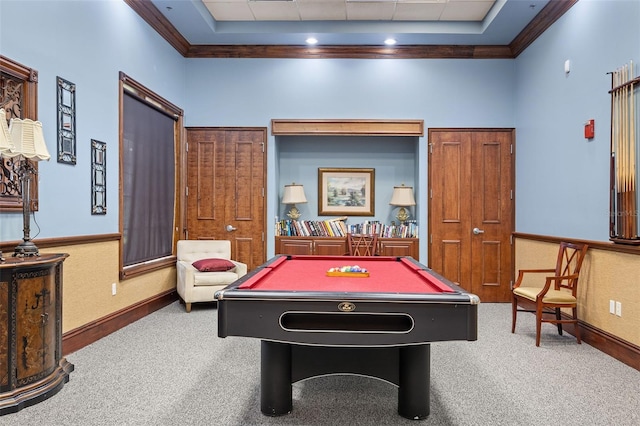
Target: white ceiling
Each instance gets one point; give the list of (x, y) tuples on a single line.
[(349, 10), (349, 22)]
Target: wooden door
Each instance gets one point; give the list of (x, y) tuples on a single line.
[(471, 209), (226, 189)]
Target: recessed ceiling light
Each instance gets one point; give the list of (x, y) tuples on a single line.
[(312, 40), (390, 41)]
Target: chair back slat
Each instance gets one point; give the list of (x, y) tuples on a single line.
[(362, 244), (570, 258)]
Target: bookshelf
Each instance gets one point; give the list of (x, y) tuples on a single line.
[(338, 228), (329, 237)]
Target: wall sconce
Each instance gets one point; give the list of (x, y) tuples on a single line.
[(25, 143), (402, 197), (293, 194)]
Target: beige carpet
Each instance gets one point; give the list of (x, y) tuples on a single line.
[(170, 368)]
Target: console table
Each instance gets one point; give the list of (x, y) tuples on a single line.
[(32, 368)]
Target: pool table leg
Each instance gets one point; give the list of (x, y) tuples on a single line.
[(414, 381), (275, 378)]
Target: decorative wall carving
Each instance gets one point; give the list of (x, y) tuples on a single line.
[(19, 97), (11, 100)]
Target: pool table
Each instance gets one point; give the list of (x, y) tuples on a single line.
[(377, 323)]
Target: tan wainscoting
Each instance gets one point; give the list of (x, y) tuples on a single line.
[(85, 335), (89, 310), (609, 272)]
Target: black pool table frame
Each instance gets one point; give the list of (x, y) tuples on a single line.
[(307, 334)]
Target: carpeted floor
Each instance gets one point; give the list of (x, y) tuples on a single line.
[(170, 368)]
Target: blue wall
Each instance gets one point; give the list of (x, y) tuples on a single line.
[(443, 93), (299, 158), (87, 43), (562, 180)]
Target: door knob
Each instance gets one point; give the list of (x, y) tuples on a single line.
[(477, 231), (231, 228)]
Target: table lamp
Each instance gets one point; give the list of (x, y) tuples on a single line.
[(293, 194), (402, 197), (26, 144)]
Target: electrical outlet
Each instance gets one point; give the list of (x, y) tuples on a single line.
[(114, 289), (619, 309), (612, 307)]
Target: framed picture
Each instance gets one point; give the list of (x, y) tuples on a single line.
[(66, 121), (98, 177), (348, 192)]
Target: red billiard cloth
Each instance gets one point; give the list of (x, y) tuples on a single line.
[(308, 273)]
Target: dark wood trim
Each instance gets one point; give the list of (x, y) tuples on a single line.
[(347, 127), (600, 245), (545, 18), (613, 346), (154, 265), (149, 98), (18, 70), (160, 24), (80, 337), (351, 52), (619, 349), (43, 243)]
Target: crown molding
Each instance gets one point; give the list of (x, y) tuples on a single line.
[(147, 11), (543, 20), (552, 11)]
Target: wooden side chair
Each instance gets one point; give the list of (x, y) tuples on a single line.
[(362, 244), (559, 291)]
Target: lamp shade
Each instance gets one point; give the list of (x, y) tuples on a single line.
[(5, 139), (28, 140), (402, 196), (293, 194)]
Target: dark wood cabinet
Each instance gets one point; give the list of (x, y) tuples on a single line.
[(31, 364), (327, 246), (398, 247), (338, 246)]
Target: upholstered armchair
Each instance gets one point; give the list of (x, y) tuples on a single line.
[(204, 267)]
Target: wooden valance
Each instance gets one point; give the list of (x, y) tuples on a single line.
[(346, 127)]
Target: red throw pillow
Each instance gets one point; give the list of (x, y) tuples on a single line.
[(213, 265)]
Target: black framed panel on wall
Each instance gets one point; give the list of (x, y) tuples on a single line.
[(66, 121), (98, 177)]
